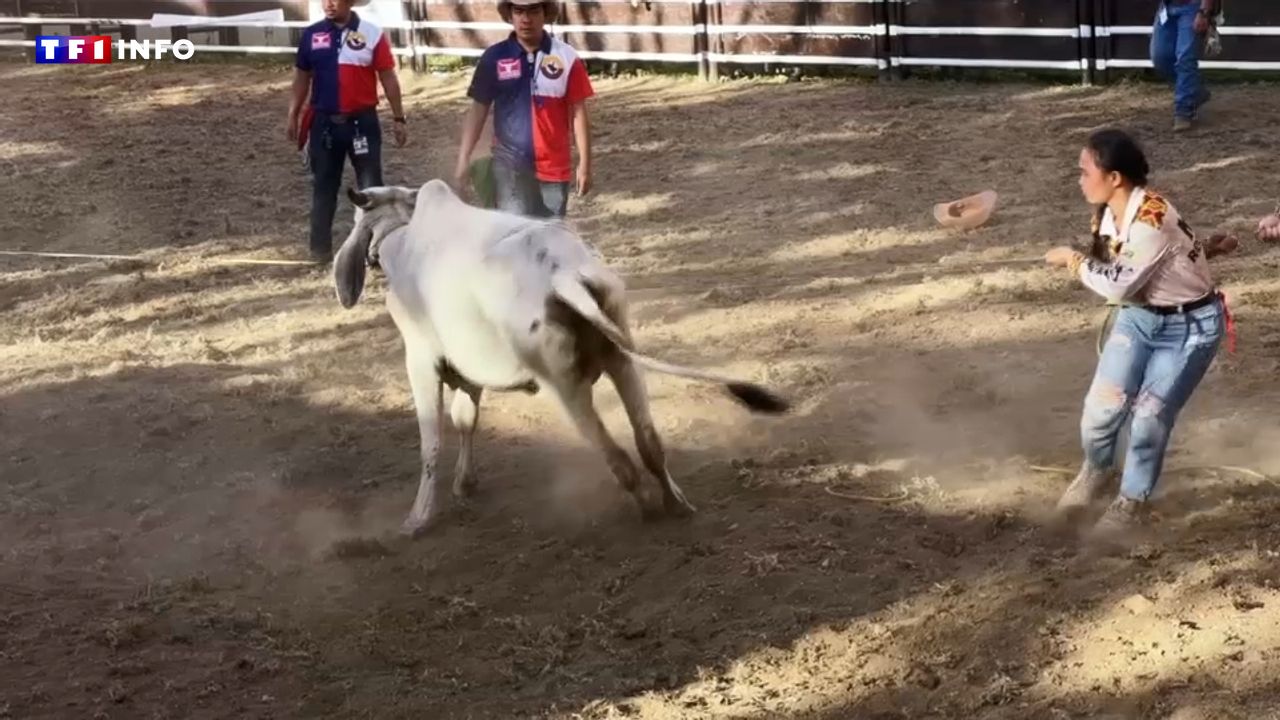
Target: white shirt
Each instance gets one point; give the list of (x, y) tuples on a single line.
[(1156, 260)]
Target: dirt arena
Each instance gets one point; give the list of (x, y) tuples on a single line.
[(204, 465)]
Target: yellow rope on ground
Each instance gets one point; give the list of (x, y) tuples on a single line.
[(867, 498), (139, 258), (1192, 468)]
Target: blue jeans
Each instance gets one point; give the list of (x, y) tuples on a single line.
[(521, 192), (1175, 52), (330, 144), (1148, 369)]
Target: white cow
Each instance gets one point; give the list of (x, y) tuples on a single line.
[(489, 300)]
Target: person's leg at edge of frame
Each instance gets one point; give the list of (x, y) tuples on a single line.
[(1185, 347), (327, 155), (368, 166), (1188, 94), (1106, 408)]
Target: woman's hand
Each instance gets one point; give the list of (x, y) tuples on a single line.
[(1063, 256), (1201, 23)]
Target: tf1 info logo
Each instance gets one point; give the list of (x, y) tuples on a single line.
[(96, 49)]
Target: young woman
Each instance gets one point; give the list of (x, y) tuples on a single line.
[(1166, 334)]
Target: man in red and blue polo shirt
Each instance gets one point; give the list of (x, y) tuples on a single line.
[(537, 86), (340, 61)]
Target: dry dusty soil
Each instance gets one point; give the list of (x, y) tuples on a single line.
[(203, 466)]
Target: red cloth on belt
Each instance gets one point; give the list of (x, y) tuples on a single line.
[(1231, 325)]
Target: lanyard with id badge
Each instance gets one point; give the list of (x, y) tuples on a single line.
[(533, 80), (359, 143)]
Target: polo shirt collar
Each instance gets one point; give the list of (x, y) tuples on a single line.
[(544, 47), (353, 23)]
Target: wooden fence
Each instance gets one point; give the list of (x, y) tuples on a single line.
[(1087, 38)]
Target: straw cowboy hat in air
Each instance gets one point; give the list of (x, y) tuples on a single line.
[(550, 8), (966, 213), (1269, 227)]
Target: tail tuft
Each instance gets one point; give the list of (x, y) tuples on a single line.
[(758, 399)]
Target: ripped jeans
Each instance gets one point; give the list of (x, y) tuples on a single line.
[(1148, 369)]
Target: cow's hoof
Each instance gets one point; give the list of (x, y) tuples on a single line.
[(465, 490), (650, 514), (414, 528), (679, 507)]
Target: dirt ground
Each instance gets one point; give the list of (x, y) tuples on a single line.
[(204, 465)]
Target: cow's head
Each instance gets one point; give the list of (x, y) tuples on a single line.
[(379, 211)]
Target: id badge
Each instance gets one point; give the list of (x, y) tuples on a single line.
[(360, 145)]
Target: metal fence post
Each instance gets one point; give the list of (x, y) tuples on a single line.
[(1102, 40), (700, 17)]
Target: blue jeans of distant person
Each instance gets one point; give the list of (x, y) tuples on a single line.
[(331, 141), (1175, 52), (1148, 369), (520, 191)]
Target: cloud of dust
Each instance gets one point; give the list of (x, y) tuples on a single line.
[(1245, 439), (577, 492), (954, 422), (251, 524)]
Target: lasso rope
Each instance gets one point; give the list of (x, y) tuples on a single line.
[(1050, 470), (140, 258)]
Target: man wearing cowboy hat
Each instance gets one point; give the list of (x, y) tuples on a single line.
[(537, 86), (340, 62)]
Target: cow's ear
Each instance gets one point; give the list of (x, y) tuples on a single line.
[(407, 195), (358, 198)]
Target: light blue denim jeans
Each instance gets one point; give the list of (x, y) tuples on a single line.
[(519, 191), (1175, 52), (1148, 370)]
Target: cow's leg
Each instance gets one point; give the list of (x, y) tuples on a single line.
[(631, 388), (464, 411), (577, 402), (428, 400)]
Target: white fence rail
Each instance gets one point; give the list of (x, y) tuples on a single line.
[(889, 31)]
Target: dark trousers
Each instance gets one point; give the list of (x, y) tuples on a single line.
[(330, 145)]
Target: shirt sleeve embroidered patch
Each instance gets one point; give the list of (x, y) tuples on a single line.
[(1153, 211)]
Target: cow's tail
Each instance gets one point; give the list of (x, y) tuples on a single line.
[(572, 290)]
